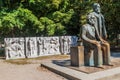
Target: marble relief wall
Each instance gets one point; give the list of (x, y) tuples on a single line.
[(14, 48), (30, 47)]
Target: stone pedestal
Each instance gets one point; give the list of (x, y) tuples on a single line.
[(77, 56)]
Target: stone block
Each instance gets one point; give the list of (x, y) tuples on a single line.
[(77, 56)]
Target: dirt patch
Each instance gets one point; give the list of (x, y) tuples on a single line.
[(36, 60), (18, 62)]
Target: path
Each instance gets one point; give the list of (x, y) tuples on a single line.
[(31, 71)]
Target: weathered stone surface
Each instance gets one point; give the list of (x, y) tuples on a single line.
[(54, 45), (77, 56), (14, 48), (31, 47), (38, 46), (65, 42)]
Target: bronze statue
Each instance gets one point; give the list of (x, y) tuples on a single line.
[(93, 41), (100, 23), (101, 32)]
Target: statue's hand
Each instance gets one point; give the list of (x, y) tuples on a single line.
[(106, 36), (96, 42), (103, 41)]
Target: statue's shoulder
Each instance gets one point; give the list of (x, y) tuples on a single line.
[(85, 26), (93, 13)]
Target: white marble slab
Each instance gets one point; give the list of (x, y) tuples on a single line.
[(14, 48)]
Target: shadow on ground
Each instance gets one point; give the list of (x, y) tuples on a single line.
[(115, 54), (62, 62), (2, 53)]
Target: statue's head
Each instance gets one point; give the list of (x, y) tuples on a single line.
[(96, 8), (91, 19)]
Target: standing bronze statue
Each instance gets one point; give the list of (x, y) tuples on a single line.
[(101, 32), (100, 23), (94, 35)]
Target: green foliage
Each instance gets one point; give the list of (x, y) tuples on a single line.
[(62, 17), (53, 17), (111, 10), (49, 26), (17, 19)]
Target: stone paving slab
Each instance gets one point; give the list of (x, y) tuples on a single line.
[(66, 72), (77, 75), (106, 73)]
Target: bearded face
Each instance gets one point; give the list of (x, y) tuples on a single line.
[(96, 8), (91, 19)]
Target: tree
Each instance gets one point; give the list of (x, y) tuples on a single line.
[(54, 17)]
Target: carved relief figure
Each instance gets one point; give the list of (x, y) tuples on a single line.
[(69, 41), (14, 48), (21, 47), (57, 45), (31, 47), (40, 45), (65, 44), (7, 47), (46, 45), (54, 43)]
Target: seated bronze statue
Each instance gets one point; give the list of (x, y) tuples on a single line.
[(93, 42)]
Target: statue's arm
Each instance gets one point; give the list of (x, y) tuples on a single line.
[(104, 28), (105, 32)]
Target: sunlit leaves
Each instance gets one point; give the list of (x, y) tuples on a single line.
[(53, 17)]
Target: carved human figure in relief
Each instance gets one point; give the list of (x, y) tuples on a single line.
[(40, 45), (54, 45), (65, 44), (31, 46), (14, 48), (46, 45), (93, 41), (21, 47), (8, 47)]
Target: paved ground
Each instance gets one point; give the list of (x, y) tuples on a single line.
[(113, 73), (30, 69), (26, 70), (110, 74)]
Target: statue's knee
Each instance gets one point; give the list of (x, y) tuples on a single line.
[(108, 44), (98, 46)]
